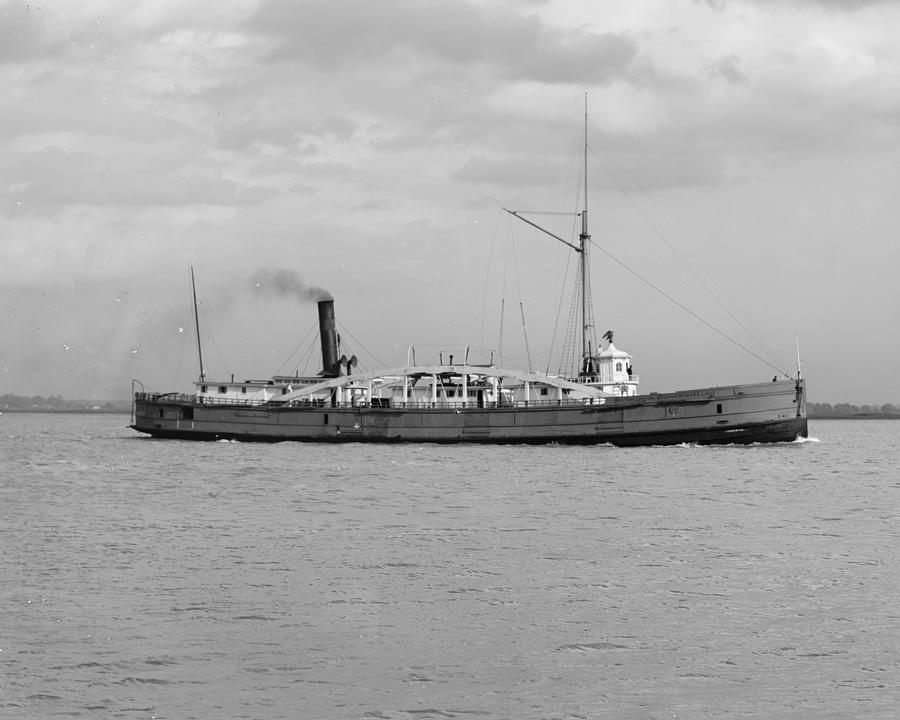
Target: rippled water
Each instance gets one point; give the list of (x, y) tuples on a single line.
[(166, 579)]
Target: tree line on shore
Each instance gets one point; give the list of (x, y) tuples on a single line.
[(846, 410), (56, 403)]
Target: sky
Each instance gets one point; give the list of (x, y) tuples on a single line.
[(743, 162)]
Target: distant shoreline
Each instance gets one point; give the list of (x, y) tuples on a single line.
[(857, 416), (65, 411)]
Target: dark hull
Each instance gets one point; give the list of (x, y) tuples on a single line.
[(780, 431), (739, 414)]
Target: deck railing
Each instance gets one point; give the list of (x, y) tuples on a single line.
[(374, 404)]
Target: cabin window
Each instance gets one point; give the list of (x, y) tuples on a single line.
[(326, 418), (243, 391), (203, 388), (161, 412), (284, 391), (718, 408), (544, 391), (451, 393), (618, 367), (223, 389)]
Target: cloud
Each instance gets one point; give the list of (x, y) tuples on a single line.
[(505, 171), (335, 36), (728, 68), (831, 5), (20, 32), (278, 125), (52, 178)]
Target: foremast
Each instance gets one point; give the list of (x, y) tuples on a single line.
[(197, 326)]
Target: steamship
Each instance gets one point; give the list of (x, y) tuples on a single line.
[(464, 402)]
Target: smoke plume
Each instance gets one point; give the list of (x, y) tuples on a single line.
[(287, 283)]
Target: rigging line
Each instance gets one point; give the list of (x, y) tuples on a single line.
[(525, 334), (180, 359), (487, 276), (515, 262), (185, 336), (311, 352), (690, 269), (361, 346), (307, 355), (521, 305), (296, 348), (507, 249), (215, 344), (545, 212), (562, 294), (571, 354), (691, 312), (400, 361), (581, 313), (500, 346), (565, 282)]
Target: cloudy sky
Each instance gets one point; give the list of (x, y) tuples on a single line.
[(743, 160)]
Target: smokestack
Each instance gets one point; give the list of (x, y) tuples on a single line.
[(328, 336)]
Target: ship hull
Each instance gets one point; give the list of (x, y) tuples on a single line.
[(737, 414)]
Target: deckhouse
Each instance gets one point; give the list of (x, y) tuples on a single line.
[(615, 374)]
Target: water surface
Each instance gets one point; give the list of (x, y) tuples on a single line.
[(170, 579)]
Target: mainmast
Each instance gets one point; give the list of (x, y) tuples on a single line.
[(585, 239), (583, 282), (197, 325)]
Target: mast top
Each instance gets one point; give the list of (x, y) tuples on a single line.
[(585, 235)]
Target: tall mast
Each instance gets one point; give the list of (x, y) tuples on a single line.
[(583, 283), (585, 238), (197, 325)]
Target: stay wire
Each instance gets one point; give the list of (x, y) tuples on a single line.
[(212, 339), (684, 262), (296, 348), (691, 312), (361, 346), (487, 276), (307, 356)]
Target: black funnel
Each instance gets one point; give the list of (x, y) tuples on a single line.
[(328, 336)]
